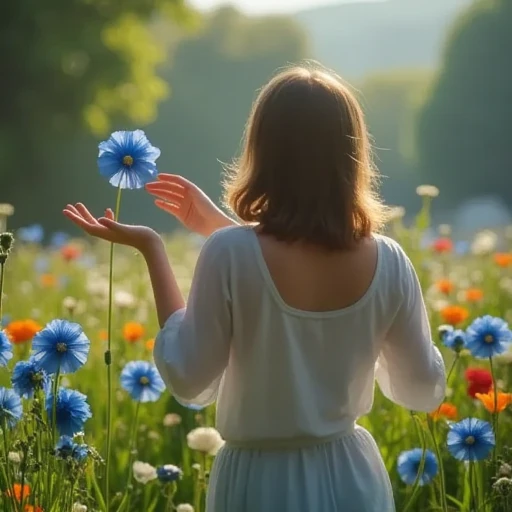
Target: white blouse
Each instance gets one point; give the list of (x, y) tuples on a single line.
[(278, 372)]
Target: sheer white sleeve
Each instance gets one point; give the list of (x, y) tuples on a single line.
[(192, 349), (410, 369)]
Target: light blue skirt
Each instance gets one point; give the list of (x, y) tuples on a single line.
[(344, 473)]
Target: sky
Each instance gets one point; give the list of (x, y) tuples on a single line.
[(266, 6)]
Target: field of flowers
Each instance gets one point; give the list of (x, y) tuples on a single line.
[(55, 320)]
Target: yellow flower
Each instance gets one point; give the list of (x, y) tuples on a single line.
[(150, 344), (503, 400)]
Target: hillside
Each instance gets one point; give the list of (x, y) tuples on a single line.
[(358, 38)]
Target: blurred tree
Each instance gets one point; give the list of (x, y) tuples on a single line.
[(215, 75), (389, 101), (464, 126), (72, 67)]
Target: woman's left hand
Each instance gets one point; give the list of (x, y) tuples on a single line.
[(108, 229)]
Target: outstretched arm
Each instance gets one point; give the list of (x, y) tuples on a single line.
[(168, 297)]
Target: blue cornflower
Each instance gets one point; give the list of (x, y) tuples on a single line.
[(11, 409), (127, 159), (470, 439), (72, 411), (81, 452), (66, 448), (142, 380), (488, 336), (454, 339), (27, 377), (168, 473), (60, 346), (33, 234), (5, 349), (41, 264), (58, 239), (409, 466)]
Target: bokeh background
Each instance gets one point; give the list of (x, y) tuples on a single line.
[(434, 76)]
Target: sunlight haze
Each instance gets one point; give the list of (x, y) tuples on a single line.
[(269, 6)]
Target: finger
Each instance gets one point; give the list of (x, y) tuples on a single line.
[(109, 214), (86, 214), (81, 222), (171, 208), (71, 208), (166, 186), (174, 178), (169, 195), (111, 224)]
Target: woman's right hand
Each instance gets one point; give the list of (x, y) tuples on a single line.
[(188, 203)]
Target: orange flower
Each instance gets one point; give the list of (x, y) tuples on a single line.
[(444, 286), (454, 315), (503, 400), (150, 344), (21, 331), (70, 252), (503, 259), (103, 335), (445, 410), (133, 331), (32, 508), (474, 294), (48, 280), (18, 492)]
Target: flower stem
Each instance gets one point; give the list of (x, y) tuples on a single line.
[(133, 439), (2, 270), (494, 415), (108, 360), (54, 406), (472, 501), (432, 429), (169, 506), (12, 503), (416, 485)]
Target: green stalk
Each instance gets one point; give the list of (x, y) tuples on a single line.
[(13, 502), (108, 360), (2, 270), (133, 439), (472, 502), (432, 429), (495, 415), (421, 467), (54, 407)]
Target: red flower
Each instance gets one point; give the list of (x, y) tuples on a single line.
[(443, 245), (479, 381), (70, 252)]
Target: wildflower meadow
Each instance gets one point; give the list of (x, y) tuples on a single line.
[(87, 424)]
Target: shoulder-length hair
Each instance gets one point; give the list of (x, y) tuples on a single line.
[(306, 171)]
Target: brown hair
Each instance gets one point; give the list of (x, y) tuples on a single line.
[(306, 172)]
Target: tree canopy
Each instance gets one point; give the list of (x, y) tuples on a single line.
[(464, 126)]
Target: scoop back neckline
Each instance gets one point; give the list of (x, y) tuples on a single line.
[(269, 281)]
